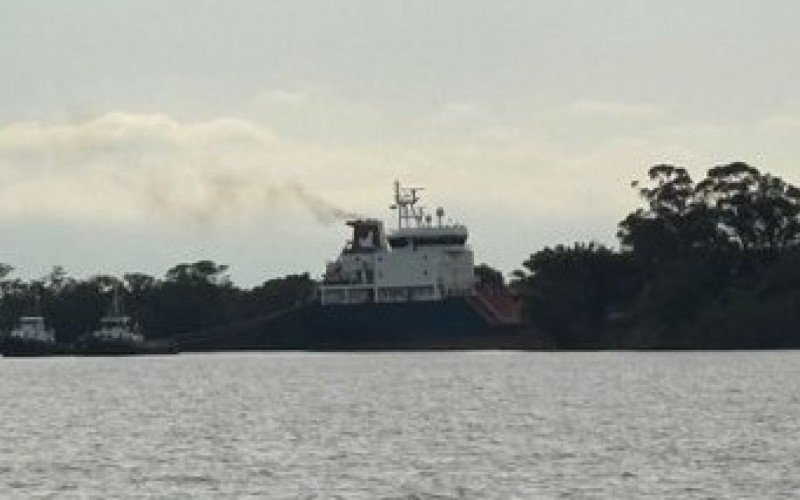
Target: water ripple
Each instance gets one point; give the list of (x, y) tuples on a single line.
[(402, 425)]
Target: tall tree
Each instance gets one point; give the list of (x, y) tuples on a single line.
[(205, 272), (755, 211), (5, 270), (571, 292), (489, 277), (662, 229)]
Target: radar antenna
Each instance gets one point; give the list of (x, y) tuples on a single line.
[(405, 202)]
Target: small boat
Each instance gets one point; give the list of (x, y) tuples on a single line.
[(32, 337), (119, 335)]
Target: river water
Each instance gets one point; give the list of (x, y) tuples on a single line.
[(403, 425)]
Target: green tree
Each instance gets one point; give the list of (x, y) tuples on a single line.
[(138, 283), (489, 277), (755, 211), (573, 292), (280, 293), (5, 270), (675, 222), (201, 272)]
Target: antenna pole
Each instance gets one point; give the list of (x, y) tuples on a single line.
[(397, 204), (405, 203)]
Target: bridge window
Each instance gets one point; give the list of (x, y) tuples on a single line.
[(439, 240), (427, 241), (398, 242)]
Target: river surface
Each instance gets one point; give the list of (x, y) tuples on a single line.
[(402, 425)]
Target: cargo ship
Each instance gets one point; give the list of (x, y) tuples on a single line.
[(413, 286), (409, 288)]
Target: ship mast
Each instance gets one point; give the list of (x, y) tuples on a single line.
[(405, 200), (37, 304), (116, 303)]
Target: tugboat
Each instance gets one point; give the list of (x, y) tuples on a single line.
[(32, 337), (412, 287), (118, 335)]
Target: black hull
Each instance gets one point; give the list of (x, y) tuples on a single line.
[(14, 348), (99, 348), (448, 322)]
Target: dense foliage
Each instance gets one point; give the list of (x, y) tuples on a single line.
[(190, 297), (709, 264)]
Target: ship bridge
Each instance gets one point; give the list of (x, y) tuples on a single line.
[(453, 235), (423, 259)]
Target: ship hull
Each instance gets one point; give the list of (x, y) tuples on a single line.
[(450, 323), (18, 348), (110, 348)]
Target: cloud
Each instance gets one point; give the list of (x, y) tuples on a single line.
[(145, 167), (614, 109), (283, 97), (458, 111), (779, 124), (518, 176), (157, 169), (516, 185)]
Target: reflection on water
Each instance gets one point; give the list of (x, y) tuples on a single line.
[(402, 425)]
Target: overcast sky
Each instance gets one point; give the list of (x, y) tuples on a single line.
[(136, 135)]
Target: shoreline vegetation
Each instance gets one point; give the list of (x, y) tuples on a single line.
[(712, 264)]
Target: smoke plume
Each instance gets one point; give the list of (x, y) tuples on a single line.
[(124, 167), (324, 211), (205, 202)]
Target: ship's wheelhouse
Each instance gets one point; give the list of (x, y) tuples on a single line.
[(426, 241), (32, 322), (33, 328), (421, 260)]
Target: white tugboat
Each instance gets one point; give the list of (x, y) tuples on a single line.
[(32, 337), (117, 335), (118, 328), (415, 283)]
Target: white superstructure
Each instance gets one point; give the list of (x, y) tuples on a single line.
[(118, 327), (422, 260), (33, 328)]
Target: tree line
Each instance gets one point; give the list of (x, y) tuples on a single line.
[(708, 264), (190, 297)]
